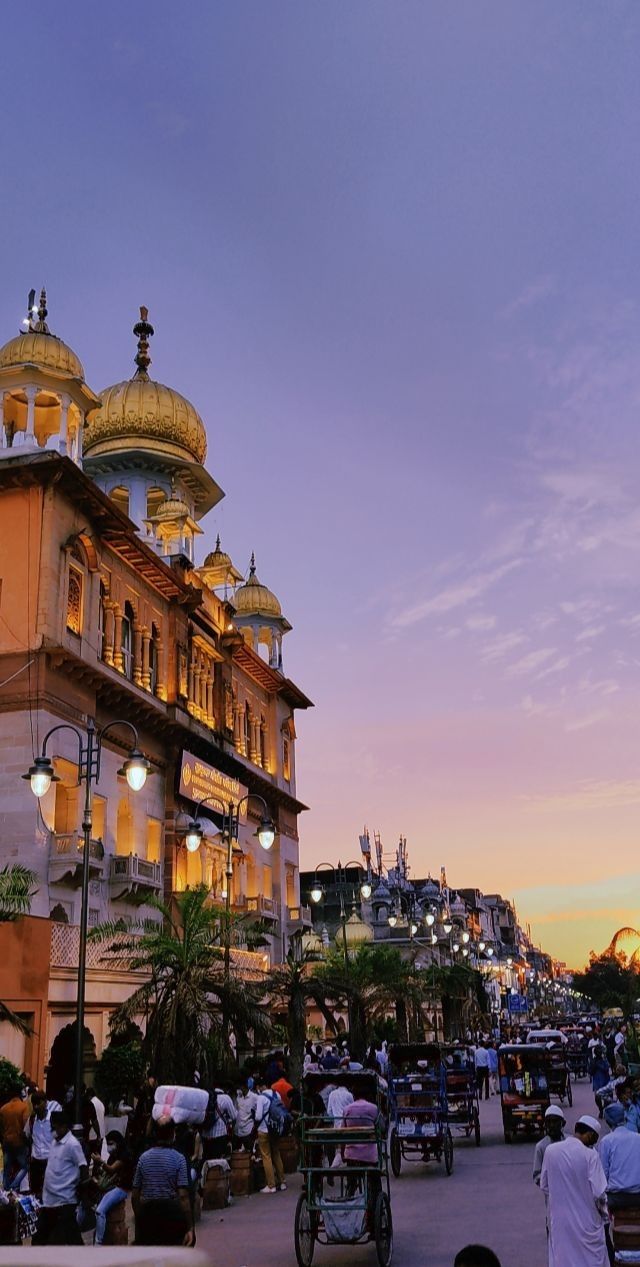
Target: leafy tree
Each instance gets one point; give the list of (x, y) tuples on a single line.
[(293, 984), (373, 981), (190, 1006), (610, 980), (119, 1072), (17, 886), (9, 1076)]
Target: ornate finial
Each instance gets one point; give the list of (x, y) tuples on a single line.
[(218, 544), (252, 565), (38, 326), (143, 331)]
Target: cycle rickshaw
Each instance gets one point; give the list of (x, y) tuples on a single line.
[(419, 1109), (347, 1203)]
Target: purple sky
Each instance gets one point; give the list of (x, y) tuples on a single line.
[(391, 254)]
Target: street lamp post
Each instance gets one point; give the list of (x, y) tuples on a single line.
[(41, 775), (266, 834)]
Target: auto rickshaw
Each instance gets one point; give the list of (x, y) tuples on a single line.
[(523, 1072)]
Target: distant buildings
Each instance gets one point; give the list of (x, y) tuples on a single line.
[(105, 612), (433, 923)]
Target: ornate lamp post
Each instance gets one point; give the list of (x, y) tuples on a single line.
[(41, 775), (266, 834)]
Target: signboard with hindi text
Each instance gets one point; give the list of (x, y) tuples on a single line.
[(199, 781)]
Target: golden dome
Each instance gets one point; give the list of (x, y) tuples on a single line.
[(38, 346), (142, 413), (171, 508), (356, 932), (253, 599), (218, 558), (44, 350)]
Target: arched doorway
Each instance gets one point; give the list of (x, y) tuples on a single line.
[(60, 1070)]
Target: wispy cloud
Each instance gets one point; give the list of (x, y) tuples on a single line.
[(480, 623), (530, 662), (589, 794), (454, 596), (500, 646), (592, 631), (530, 295)]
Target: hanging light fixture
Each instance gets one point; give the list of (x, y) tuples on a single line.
[(41, 776), (193, 837)]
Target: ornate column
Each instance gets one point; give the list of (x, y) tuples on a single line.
[(30, 435), (146, 658), (109, 632), (210, 715), (237, 725), (190, 684), (64, 424), (79, 439), (161, 685), (137, 654), (253, 735), (263, 746), (118, 658)]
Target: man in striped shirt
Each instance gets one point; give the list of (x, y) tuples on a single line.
[(160, 1195)]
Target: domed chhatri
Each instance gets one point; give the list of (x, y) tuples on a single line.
[(44, 399), (253, 598), (259, 617), (37, 346), (218, 571), (355, 933), (143, 414), (145, 447)]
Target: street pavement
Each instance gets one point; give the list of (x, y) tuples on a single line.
[(489, 1199)]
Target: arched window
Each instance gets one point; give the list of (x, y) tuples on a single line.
[(120, 495), (127, 640), (74, 600), (155, 498)]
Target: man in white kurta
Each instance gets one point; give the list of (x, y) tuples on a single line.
[(575, 1185)]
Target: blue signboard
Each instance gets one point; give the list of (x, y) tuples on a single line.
[(517, 1003)]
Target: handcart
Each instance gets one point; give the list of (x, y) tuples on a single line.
[(462, 1089), (418, 1102), (347, 1202), (523, 1071)]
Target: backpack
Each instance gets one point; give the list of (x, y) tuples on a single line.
[(279, 1119)]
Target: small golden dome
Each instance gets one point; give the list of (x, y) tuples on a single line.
[(171, 508), (143, 413), (218, 558), (43, 350), (253, 599), (356, 932)]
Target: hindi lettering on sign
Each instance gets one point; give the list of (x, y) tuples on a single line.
[(200, 781)]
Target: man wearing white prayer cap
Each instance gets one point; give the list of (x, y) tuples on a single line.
[(554, 1124), (575, 1185)]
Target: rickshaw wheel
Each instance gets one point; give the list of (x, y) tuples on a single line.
[(448, 1151), (304, 1232), (476, 1126), (383, 1229), (569, 1092), (508, 1137), (395, 1153)]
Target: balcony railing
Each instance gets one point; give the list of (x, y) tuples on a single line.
[(65, 945), (300, 915), (131, 874), (66, 852), (265, 907)]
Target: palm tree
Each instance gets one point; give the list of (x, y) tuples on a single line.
[(624, 934), (188, 992), (293, 984), (373, 981), (17, 886)]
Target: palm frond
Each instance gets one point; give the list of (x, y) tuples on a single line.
[(14, 1020), (17, 886)]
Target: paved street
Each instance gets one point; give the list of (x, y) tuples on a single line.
[(489, 1198)]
